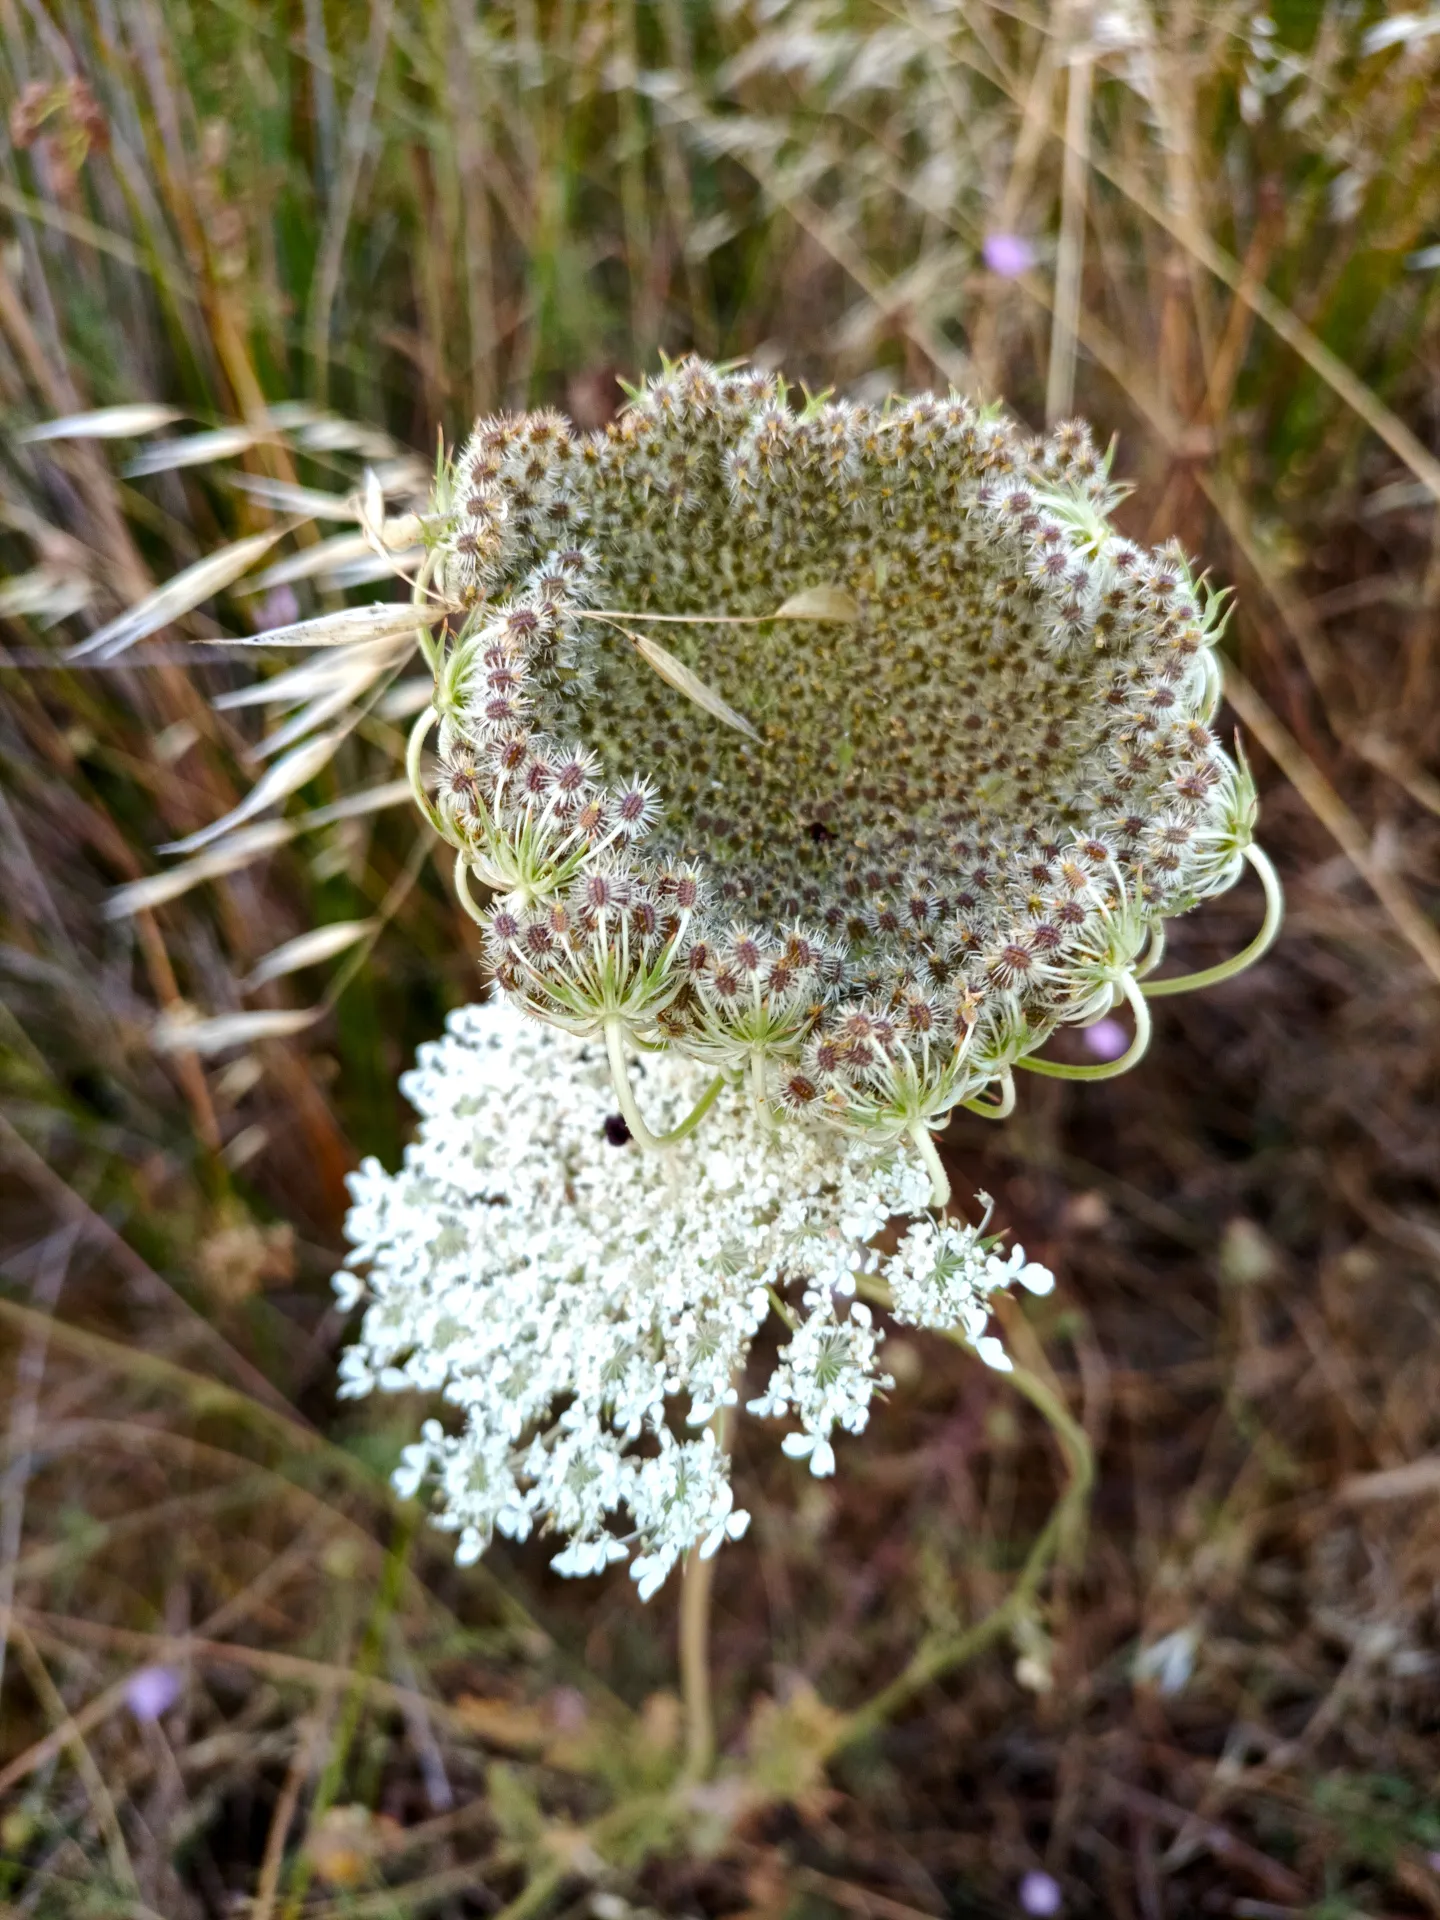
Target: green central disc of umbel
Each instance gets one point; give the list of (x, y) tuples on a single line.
[(885, 742)]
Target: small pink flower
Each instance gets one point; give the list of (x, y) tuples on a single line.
[(1107, 1039), (568, 1708), (1040, 1894), (279, 608), (152, 1691), (1008, 254)]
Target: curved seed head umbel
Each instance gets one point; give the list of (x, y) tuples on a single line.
[(849, 746)]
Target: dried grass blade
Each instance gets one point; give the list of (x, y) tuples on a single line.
[(138, 896), (1267, 307), (46, 594), (391, 793), (293, 687), (188, 1033), (316, 713), (328, 433), (76, 227), (359, 672), (179, 596), (308, 949), (103, 423), (379, 621), (1282, 321), (406, 698), (1064, 331), (676, 674), (403, 474), (352, 674), (323, 557), (277, 783), (1410, 920), (221, 443), (1392, 759), (98, 1793), (285, 497), (371, 501), (819, 603), (361, 573)]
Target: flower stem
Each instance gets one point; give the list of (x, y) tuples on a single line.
[(414, 747), (1154, 953), (1227, 969), (945, 1652), (1000, 1109), (759, 1096), (696, 1589), (939, 1180), (1059, 1070), (697, 1585), (462, 889), (429, 646), (625, 1095)]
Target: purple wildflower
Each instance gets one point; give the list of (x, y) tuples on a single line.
[(1040, 1893), (1107, 1039), (1008, 254), (152, 1691)]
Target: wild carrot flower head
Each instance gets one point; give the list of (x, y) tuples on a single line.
[(856, 746), (585, 1308), (847, 747)]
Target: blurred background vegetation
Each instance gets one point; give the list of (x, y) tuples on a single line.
[(239, 1677)]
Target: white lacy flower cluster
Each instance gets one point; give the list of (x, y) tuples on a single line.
[(939, 1276), (576, 1300)]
